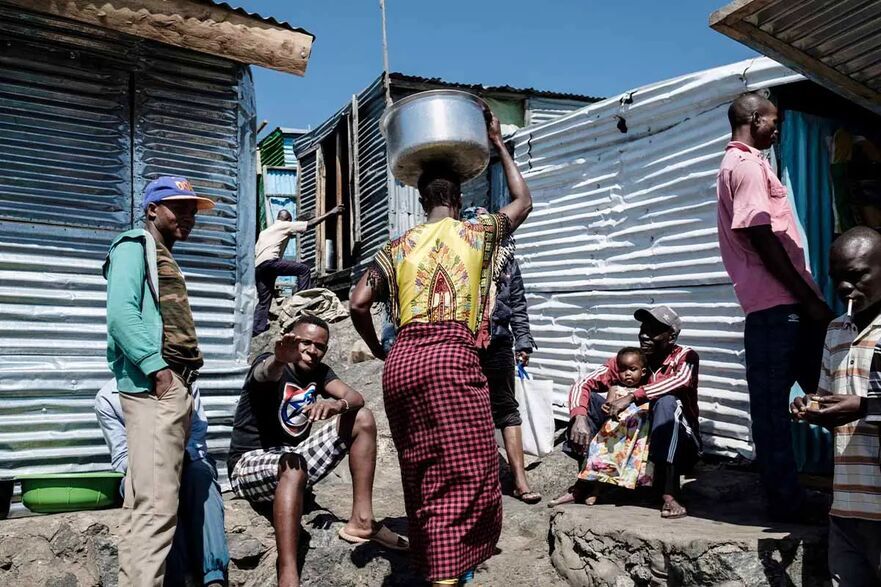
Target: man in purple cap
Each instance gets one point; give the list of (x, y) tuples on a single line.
[(670, 391), (154, 355)]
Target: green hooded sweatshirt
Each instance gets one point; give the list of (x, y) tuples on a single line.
[(134, 323)]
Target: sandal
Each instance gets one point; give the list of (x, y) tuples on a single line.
[(669, 511), (530, 497), (382, 536)]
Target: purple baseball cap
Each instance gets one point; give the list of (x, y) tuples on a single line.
[(174, 188)]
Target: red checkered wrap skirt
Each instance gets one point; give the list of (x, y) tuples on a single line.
[(437, 403)]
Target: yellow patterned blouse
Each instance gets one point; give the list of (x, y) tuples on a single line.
[(442, 271)]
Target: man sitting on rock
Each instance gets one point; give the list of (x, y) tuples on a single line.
[(199, 545), (671, 391), (275, 454)]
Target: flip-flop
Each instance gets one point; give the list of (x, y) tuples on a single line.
[(383, 536), (530, 497)]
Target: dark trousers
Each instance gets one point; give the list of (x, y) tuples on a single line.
[(265, 275), (854, 552), (782, 347), (671, 441), (497, 362)]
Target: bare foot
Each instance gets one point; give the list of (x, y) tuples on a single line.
[(594, 495), (672, 509), (568, 497)]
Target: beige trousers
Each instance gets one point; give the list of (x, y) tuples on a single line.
[(156, 431)]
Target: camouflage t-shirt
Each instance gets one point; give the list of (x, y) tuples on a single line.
[(179, 344)]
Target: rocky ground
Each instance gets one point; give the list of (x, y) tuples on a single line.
[(725, 542)]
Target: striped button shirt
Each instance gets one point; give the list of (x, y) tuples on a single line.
[(849, 361)]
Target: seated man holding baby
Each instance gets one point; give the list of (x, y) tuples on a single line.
[(644, 430)]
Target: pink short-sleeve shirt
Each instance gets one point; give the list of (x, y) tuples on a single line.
[(749, 194)]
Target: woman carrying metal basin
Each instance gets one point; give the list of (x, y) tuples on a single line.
[(436, 281)]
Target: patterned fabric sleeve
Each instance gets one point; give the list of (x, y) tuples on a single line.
[(381, 277), (498, 225)]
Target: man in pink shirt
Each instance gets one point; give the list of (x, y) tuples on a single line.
[(786, 316)]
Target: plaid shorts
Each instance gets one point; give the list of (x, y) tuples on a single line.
[(256, 474)]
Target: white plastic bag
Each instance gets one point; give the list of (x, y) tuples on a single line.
[(536, 411)]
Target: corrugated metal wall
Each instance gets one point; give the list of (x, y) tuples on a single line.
[(372, 177), (290, 160), (280, 186), (189, 115), (541, 110), (623, 220), (280, 182), (308, 169)]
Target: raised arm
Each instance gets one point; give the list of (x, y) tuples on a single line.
[(521, 198), (319, 219)]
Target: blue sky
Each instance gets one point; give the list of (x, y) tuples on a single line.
[(594, 47)]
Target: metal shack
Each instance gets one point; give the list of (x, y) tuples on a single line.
[(277, 184), (625, 216), (344, 161), (94, 103)]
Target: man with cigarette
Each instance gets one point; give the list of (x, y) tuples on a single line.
[(849, 401), (786, 316)]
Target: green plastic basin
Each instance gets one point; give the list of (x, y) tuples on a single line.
[(68, 492)]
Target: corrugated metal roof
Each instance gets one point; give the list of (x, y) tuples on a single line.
[(402, 80), (837, 44), (267, 19), (628, 219)]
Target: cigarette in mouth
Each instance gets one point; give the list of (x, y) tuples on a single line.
[(850, 307)]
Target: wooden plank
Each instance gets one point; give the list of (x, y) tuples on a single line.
[(215, 30), (338, 244), (803, 63), (356, 174)]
